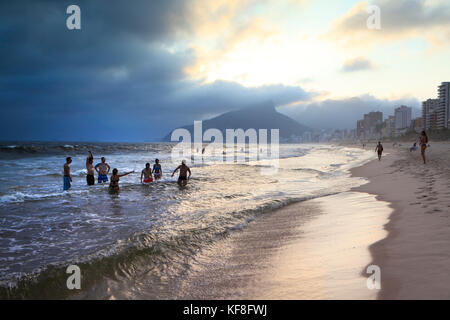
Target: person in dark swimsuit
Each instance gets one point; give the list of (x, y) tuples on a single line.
[(379, 149), (114, 180), (90, 170), (157, 170), (184, 169), (423, 145)]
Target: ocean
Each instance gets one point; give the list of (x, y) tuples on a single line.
[(145, 234)]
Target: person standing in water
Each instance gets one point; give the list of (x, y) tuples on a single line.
[(67, 179), (114, 184), (157, 171), (147, 174), (379, 149), (90, 169), (184, 169), (102, 170), (423, 145)]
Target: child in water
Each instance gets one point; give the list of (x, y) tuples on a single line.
[(114, 184)]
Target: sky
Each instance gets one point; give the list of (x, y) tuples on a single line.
[(136, 70)]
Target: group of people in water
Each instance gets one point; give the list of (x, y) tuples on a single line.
[(147, 175), (423, 140)]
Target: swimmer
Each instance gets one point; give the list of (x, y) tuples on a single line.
[(147, 174), (102, 170), (157, 170), (114, 184), (184, 169)]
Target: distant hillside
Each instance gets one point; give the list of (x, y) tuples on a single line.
[(261, 116)]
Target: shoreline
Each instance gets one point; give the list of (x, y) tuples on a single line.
[(410, 233), (301, 251), (314, 249), (412, 257)]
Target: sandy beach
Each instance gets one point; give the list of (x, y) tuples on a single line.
[(414, 257), (392, 213), (321, 248), (303, 251)]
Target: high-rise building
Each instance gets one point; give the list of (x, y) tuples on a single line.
[(389, 126), (402, 118), (429, 114), (444, 105), (370, 126), (360, 129), (417, 124)]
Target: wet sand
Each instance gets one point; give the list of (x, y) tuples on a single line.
[(321, 248), (414, 258), (311, 250)]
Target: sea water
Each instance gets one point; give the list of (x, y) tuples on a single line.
[(150, 231)]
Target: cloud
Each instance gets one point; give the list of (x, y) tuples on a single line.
[(400, 19), (120, 78), (357, 64), (343, 113)]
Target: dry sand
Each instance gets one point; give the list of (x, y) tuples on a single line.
[(415, 257)]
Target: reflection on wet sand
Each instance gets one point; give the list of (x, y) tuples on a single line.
[(312, 250)]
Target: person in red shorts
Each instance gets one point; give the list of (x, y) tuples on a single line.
[(147, 174)]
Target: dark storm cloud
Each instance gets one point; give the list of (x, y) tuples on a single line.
[(114, 79)]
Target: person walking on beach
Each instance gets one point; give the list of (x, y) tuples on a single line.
[(147, 174), (379, 149), (102, 170), (157, 171), (184, 169), (114, 184), (90, 170), (423, 145), (67, 179)]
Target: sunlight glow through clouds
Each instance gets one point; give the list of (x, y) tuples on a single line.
[(258, 43)]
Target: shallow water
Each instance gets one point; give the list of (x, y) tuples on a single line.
[(147, 231)]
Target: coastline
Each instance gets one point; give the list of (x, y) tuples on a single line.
[(413, 257), (403, 215), (314, 249), (305, 250)]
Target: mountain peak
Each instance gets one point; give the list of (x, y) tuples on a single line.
[(266, 105), (257, 116)]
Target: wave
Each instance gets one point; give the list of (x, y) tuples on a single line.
[(310, 170), (18, 197), (54, 148), (151, 253)]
